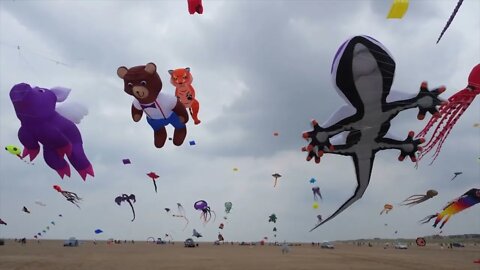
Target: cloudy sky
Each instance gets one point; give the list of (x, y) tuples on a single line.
[(259, 67)]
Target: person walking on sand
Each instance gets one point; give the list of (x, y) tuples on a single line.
[(285, 248)]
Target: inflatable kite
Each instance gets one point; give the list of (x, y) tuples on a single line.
[(455, 174), (181, 214), (3, 222), (363, 73), (40, 203), (70, 196), (221, 226), (420, 241), (386, 208), (312, 181), (145, 85), (129, 199), (316, 193), (14, 150), (195, 6), (220, 237), (182, 79), (196, 234), (449, 114), (276, 176), (154, 177), (206, 211), (42, 123), (398, 9), (452, 16), (169, 237), (416, 199), (467, 200), (272, 218), (228, 207), (98, 231), (315, 205)]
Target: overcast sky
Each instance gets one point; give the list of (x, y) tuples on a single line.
[(259, 67)]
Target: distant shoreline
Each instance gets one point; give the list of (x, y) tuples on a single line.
[(465, 238)]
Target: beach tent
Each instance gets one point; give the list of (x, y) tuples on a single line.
[(71, 242)]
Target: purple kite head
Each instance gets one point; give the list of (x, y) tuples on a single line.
[(200, 205), (36, 102)]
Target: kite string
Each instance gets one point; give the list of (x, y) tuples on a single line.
[(51, 59)]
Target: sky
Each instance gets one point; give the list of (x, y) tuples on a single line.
[(259, 67)]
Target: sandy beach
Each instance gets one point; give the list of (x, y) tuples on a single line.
[(52, 255)]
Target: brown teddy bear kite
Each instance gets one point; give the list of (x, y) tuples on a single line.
[(144, 83)]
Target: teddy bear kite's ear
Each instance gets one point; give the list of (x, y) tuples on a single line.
[(122, 71), (151, 68)]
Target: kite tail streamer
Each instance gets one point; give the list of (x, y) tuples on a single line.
[(133, 209), (459, 3), (428, 218)]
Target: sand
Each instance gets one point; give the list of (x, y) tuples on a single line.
[(52, 255)]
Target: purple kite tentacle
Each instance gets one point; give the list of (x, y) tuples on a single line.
[(214, 216), (459, 3)]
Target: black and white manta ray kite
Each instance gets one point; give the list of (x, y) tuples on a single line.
[(363, 72)]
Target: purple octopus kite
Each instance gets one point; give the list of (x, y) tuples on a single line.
[(206, 211), (42, 122)]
